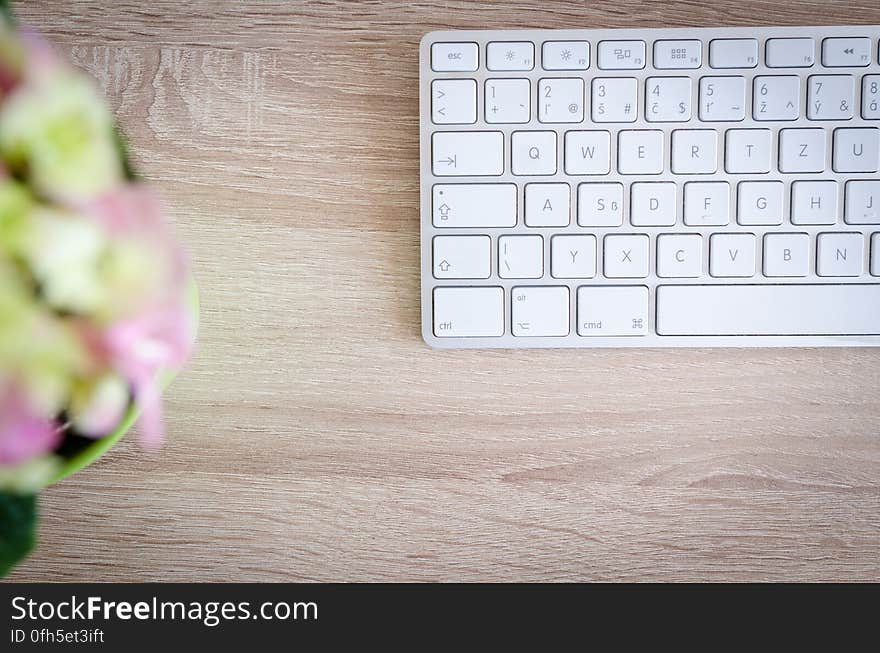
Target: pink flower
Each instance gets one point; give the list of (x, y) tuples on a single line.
[(12, 56), (158, 334), (97, 247), (133, 212), (56, 130), (23, 433), (142, 347), (98, 404)]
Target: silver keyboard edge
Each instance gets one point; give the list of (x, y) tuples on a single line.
[(427, 179)]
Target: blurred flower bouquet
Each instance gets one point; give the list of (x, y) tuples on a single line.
[(95, 301)]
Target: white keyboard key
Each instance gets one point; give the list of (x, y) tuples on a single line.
[(748, 150), (533, 153), (846, 52), (520, 257), (547, 205), (614, 99), (473, 205), (467, 153), (626, 257), (677, 55), (561, 100), (857, 150), (573, 257), (814, 202), (668, 99), (797, 309), (839, 255), (612, 311), (540, 311), (862, 202), (510, 55), (722, 99), (468, 312), (875, 254), (802, 150), (565, 55), (694, 151), (621, 55), (786, 255), (600, 205), (462, 257), (706, 203), (507, 101), (454, 57), (640, 152), (653, 204), (732, 255), (587, 152), (871, 97), (453, 101), (679, 255), (759, 202), (776, 97), (790, 53), (733, 53), (830, 97)]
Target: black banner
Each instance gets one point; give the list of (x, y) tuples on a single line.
[(132, 617)]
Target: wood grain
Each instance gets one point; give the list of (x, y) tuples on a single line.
[(315, 437)]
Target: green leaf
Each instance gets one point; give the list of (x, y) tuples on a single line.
[(18, 524), (6, 14), (124, 153)]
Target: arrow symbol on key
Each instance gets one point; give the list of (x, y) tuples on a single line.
[(450, 161)]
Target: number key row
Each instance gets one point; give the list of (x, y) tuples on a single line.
[(667, 99)]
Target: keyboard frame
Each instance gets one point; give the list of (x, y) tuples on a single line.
[(594, 36)]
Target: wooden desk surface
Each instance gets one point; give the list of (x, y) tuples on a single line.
[(315, 437)]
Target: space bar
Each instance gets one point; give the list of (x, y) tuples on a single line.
[(768, 310)]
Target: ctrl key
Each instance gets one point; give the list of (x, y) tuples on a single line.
[(612, 310), (463, 312)]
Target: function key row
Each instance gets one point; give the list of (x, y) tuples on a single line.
[(724, 53)]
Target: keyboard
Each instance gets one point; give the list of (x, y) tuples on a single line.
[(651, 187)]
